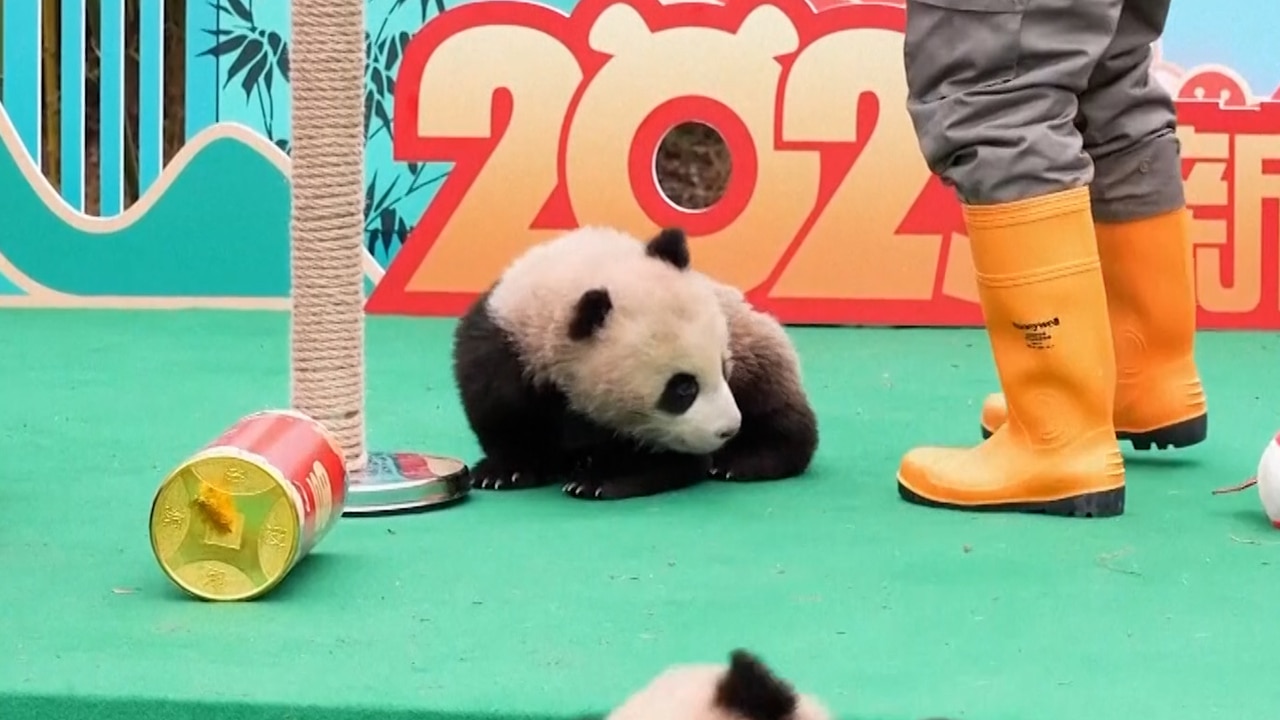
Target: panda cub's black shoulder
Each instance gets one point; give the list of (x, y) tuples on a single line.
[(528, 432)]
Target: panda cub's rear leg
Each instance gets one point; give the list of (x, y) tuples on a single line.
[(779, 434), (769, 447)]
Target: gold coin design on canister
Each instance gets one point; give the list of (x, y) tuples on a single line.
[(214, 579), (232, 474), (170, 518), (278, 539), (237, 506)]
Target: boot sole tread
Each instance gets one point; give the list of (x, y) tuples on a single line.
[(1186, 433), (1105, 503)]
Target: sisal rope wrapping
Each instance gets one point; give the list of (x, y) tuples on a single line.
[(327, 218)]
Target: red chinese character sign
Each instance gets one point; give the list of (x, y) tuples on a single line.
[(1231, 166), (830, 216)]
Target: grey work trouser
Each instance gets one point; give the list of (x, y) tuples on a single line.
[(1013, 99)]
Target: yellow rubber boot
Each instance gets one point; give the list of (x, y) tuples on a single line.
[(1146, 266), (1041, 290)]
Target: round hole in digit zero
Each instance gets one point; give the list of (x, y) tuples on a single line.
[(693, 166)]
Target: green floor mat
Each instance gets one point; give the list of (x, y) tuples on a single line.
[(531, 604)]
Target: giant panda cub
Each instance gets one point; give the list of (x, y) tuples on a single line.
[(608, 364), (745, 690)]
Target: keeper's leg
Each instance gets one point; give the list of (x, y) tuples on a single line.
[(1128, 124), (993, 88)]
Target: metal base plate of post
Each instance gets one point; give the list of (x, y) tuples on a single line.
[(402, 482)]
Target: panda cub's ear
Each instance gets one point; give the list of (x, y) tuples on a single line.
[(670, 246), (589, 314), (750, 690)]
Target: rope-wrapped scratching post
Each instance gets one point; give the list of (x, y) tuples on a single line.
[(327, 58), (327, 343)]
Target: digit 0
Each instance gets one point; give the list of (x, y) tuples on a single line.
[(499, 116), (853, 250), (644, 89)]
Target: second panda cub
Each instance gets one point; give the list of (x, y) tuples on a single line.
[(608, 364)]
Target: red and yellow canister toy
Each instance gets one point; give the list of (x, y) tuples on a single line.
[(232, 520)]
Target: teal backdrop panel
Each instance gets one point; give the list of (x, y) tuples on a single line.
[(9, 288), (218, 226), (220, 229)]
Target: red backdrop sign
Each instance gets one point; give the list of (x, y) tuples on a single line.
[(830, 216)]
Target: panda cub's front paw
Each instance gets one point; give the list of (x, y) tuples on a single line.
[(585, 489), (584, 482), (754, 464), (489, 475)]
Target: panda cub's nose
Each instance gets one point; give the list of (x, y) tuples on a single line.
[(729, 432)]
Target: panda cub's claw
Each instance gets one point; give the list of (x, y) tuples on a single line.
[(655, 481), (717, 473), (585, 490), (730, 469), (611, 489), (489, 475)]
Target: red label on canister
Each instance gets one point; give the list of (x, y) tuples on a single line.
[(306, 455)]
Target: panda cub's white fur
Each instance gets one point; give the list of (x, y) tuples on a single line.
[(609, 364), (746, 689)]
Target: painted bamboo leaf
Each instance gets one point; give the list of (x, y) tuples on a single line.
[(259, 59)]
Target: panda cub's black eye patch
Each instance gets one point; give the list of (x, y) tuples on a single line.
[(679, 394)]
